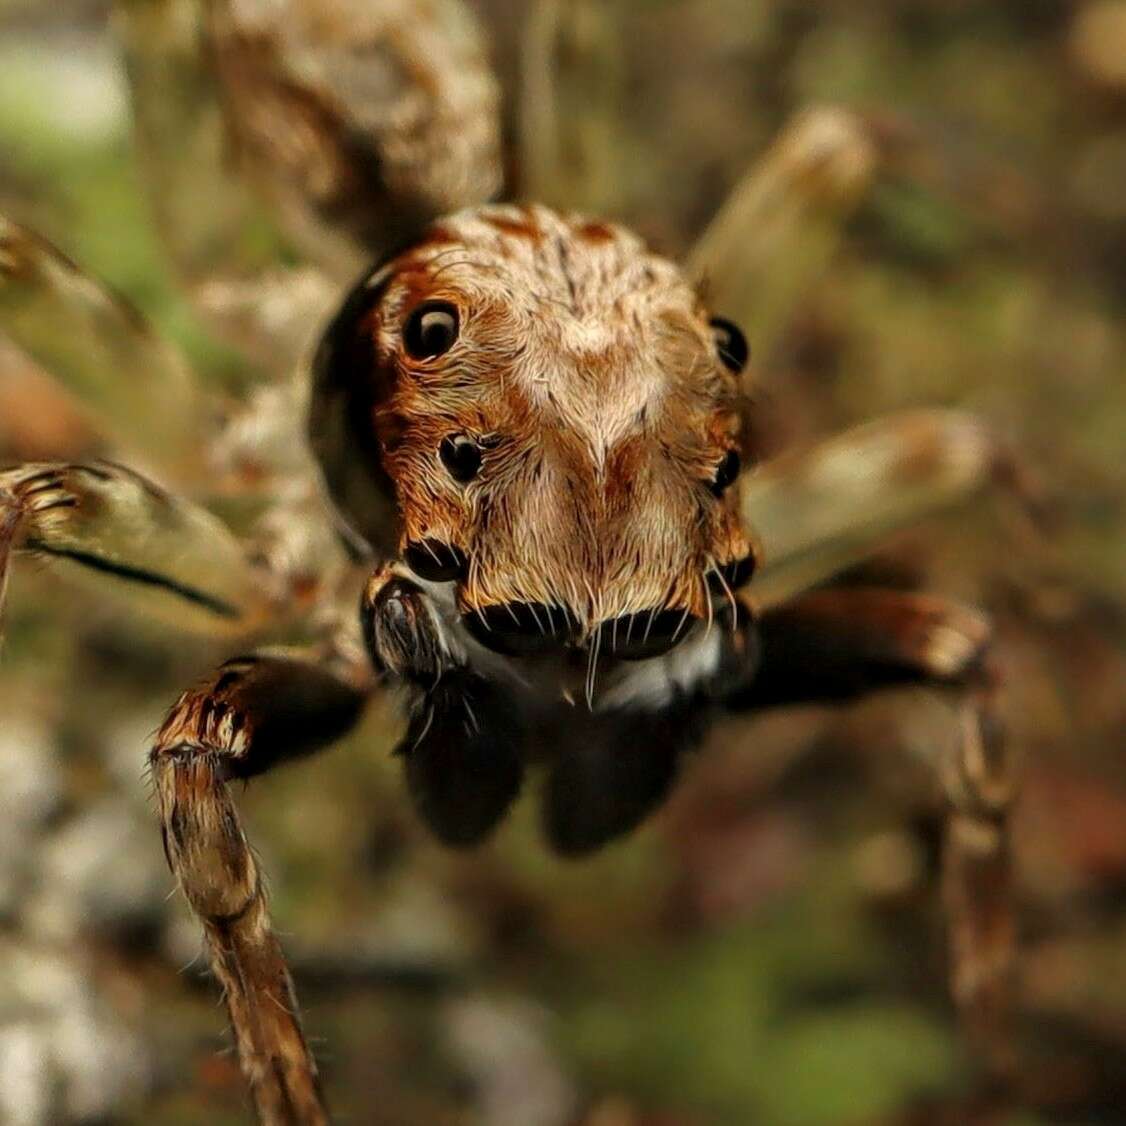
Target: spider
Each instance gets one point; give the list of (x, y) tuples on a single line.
[(521, 446)]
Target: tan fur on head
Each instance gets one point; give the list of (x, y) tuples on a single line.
[(586, 370)]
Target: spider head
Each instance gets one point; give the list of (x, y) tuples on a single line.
[(537, 410)]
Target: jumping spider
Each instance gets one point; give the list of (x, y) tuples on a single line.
[(533, 432)]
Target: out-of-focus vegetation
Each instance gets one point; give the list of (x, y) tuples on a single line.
[(770, 948)]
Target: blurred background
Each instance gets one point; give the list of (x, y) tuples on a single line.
[(769, 949)]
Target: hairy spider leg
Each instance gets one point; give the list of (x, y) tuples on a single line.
[(840, 643), (225, 255), (256, 712), (820, 510), (104, 351), (165, 556), (571, 83), (338, 130), (110, 521), (782, 221)]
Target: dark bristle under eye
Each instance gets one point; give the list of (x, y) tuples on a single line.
[(730, 576), (521, 629), (435, 561), (648, 633)]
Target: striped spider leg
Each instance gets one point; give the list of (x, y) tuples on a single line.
[(171, 560), (118, 522), (171, 557), (168, 558), (256, 712)]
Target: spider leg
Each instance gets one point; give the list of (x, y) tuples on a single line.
[(103, 351), (357, 125), (837, 644), (171, 559), (226, 255), (783, 220), (257, 712), (571, 82), (818, 511)]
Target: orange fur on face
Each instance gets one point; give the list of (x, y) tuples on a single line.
[(585, 368)]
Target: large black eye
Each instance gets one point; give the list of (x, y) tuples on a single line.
[(726, 472), (430, 330), (730, 343), (461, 456)]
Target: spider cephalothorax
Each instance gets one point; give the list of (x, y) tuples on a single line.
[(556, 419)]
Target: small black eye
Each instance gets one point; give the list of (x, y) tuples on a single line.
[(726, 472), (461, 456), (730, 343), (431, 330)]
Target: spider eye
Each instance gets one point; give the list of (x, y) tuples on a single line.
[(730, 343), (431, 330), (461, 456), (726, 472)]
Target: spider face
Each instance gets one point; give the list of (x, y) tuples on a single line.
[(554, 418)]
